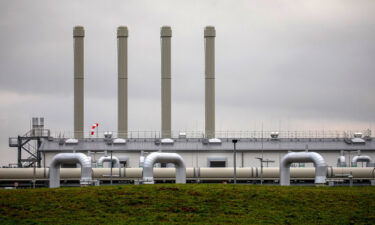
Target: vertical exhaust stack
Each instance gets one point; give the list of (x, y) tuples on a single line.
[(165, 35), (122, 98), (78, 35), (209, 50)]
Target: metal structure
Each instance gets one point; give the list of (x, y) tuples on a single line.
[(362, 158), (292, 157), (341, 161), (196, 148), (78, 35), (82, 159), (112, 159), (29, 144), (209, 53), (122, 62), (166, 110), (160, 157)]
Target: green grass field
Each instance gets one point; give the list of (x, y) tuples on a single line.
[(191, 203)]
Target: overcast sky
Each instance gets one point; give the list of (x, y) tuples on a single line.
[(291, 65)]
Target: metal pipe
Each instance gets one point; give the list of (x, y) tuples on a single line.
[(78, 35), (114, 159), (209, 46), (161, 157), (292, 157), (122, 98), (247, 173), (341, 162), (361, 158), (57, 160), (166, 121)]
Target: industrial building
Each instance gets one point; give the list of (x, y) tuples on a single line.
[(204, 156)]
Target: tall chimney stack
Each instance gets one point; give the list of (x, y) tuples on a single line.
[(166, 34), (78, 35), (122, 98), (209, 50)]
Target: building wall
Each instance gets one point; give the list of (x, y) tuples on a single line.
[(244, 159)]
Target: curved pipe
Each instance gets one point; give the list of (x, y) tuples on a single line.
[(57, 160), (341, 161), (292, 157), (361, 158), (114, 159), (161, 157)]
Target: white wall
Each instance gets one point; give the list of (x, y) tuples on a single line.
[(200, 159)]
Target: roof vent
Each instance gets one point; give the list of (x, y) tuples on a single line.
[(358, 140), (274, 135), (214, 141), (108, 135), (119, 141), (167, 141), (182, 135), (71, 141)]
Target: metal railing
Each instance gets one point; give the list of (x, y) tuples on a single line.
[(313, 134)]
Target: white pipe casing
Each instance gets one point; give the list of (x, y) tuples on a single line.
[(341, 161), (248, 173), (361, 158), (114, 159), (292, 157), (57, 160), (161, 157)]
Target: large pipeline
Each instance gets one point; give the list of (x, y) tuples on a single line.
[(113, 159), (293, 157), (362, 158), (161, 157), (248, 173), (57, 160)]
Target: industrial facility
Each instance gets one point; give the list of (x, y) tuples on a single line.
[(123, 156)]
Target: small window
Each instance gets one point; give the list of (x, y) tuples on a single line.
[(218, 163)]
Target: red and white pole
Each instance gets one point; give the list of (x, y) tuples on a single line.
[(93, 127)]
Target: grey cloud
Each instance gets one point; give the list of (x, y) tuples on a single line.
[(299, 64)]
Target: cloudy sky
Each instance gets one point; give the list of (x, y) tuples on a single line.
[(289, 65)]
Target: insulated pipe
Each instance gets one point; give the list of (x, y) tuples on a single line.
[(57, 160), (114, 159), (361, 158), (159, 157), (209, 52), (78, 35), (166, 127), (292, 157), (247, 173), (122, 98), (341, 162)]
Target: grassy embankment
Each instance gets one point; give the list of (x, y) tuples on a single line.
[(191, 203)]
